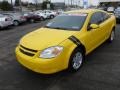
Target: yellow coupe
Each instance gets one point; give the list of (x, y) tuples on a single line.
[(64, 42)]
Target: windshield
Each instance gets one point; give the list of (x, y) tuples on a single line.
[(68, 22)]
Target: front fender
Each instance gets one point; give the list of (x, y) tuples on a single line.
[(68, 49)]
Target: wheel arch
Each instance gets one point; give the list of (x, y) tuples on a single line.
[(81, 47), (113, 28), (71, 44), (16, 20), (79, 44), (76, 45)]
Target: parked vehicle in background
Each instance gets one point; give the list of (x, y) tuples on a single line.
[(64, 42), (50, 14), (109, 5), (18, 18), (31, 17), (118, 8), (117, 14), (103, 8), (111, 9), (5, 21), (41, 14), (60, 11)]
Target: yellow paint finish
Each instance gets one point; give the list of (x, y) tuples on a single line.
[(44, 38)]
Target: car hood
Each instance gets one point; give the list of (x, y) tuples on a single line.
[(44, 38)]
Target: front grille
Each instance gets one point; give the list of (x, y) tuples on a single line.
[(27, 51)]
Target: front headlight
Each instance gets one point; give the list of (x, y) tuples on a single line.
[(51, 52)]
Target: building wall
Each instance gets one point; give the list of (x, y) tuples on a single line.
[(59, 5), (109, 0), (109, 3)]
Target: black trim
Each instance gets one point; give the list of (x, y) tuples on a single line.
[(75, 40), (26, 53), (28, 49)]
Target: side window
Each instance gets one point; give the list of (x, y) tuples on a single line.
[(93, 19), (96, 18), (48, 12), (105, 16)]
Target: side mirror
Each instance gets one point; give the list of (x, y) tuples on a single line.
[(112, 13), (94, 26)]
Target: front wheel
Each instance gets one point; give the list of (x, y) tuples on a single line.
[(112, 36), (76, 60)]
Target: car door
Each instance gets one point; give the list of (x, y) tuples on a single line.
[(106, 26), (93, 36)]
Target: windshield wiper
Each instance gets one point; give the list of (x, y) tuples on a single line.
[(56, 28), (60, 28)]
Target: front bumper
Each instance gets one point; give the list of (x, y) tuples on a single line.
[(44, 66)]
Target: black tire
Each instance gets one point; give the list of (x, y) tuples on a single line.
[(51, 16), (112, 36), (42, 19), (32, 20), (72, 66), (118, 21), (15, 23)]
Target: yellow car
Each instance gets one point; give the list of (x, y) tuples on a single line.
[(64, 42)]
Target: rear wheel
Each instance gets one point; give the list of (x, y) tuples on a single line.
[(32, 20), (42, 19), (112, 36), (76, 60), (52, 16), (16, 23)]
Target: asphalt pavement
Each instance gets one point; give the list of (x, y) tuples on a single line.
[(101, 70)]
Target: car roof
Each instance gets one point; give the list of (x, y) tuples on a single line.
[(88, 11)]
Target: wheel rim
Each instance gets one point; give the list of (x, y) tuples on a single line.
[(52, 16), (32, 20), (112, 35), (77, 60), (15, 23), (42, 19)]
